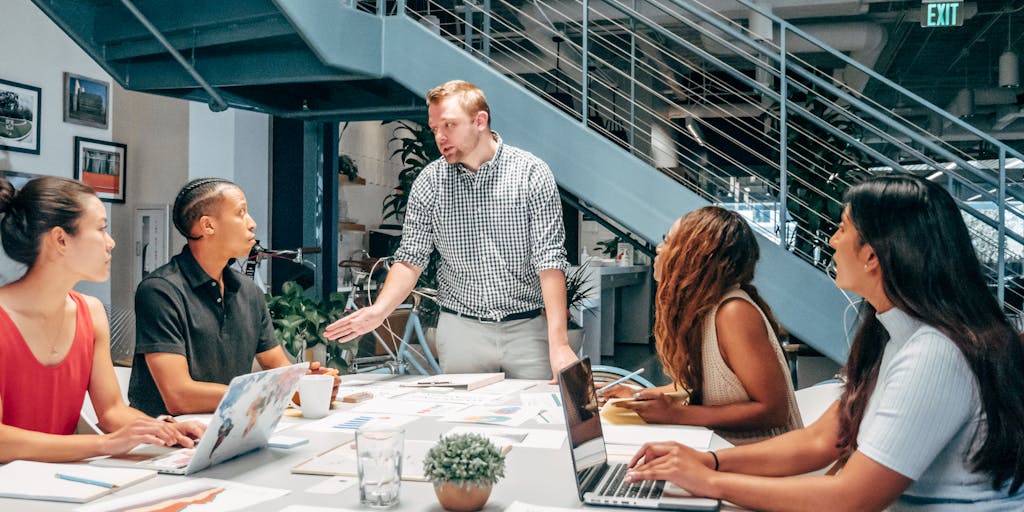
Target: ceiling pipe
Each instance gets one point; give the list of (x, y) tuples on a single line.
[(217, 103), (966, 101), (864, 41), (538, 25)]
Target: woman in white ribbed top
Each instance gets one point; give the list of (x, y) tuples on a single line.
[(715, 336), (932, 415)]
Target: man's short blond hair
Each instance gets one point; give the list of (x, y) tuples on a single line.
[(470, 97)]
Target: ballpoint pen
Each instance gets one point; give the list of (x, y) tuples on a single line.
[(83, 480), (620, 380)]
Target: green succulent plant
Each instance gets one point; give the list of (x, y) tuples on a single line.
[(464, 458)]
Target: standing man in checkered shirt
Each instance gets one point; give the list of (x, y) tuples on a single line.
[(494, 214)]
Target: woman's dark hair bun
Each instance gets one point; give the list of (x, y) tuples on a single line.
[(7, 193)]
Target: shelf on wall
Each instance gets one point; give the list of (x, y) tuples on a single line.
[(345, 181), (351, 226)]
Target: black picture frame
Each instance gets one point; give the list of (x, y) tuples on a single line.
[(103, 166), (86, 101), (20, 119)]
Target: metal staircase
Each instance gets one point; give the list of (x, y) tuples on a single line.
[(644, 109)]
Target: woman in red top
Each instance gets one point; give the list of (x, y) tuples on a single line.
[(54, 342)]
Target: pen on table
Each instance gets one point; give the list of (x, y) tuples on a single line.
[(545, 418), (620, 380), (83, 480)]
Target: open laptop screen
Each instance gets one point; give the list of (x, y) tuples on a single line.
[(582, 419)]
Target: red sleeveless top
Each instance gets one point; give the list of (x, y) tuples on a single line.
[(45, 398)]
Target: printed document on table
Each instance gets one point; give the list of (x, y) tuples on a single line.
[(505, 415), (207, 494), (453, 397), (349, 421), (401, 407), (341, 460), (698, 438), (549, 402), (518, 437), (518, 506)]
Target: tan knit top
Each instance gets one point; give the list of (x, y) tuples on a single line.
[(722, 387)]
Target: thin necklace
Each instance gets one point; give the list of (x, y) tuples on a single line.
[(56, 337)]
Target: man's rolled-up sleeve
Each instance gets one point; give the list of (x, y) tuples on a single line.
[(418, 229), (547, 231)]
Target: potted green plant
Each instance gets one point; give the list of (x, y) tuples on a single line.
[(577, 289), (463, 469), (299, 322)]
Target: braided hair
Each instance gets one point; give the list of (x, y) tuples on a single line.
[(41, 205), (194, 201)]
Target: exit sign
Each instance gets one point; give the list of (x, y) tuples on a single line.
[(938, 13)]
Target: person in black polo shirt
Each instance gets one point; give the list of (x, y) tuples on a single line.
[(199, 321)]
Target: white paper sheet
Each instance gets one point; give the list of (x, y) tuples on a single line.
[(504, 415), (349, 421), (550, 403), (229, 496), (333, 485), (698, 438), (400, 407), (518, 437), (518, 506)]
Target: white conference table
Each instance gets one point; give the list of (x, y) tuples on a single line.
[(535, 476)]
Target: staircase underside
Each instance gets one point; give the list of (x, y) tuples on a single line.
[(315, 60)]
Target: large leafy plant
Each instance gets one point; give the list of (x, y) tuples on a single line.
[(416, 148), (464, 458), (299, 321)]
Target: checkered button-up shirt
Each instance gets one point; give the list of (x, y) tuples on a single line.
[(495, 229)]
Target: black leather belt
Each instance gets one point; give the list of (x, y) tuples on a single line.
[(525, 315)]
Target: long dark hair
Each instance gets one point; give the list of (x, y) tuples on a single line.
[(41, 205), (194, 200), (712, 250), (931, 272)]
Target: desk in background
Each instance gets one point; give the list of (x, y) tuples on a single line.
[(618, 311)]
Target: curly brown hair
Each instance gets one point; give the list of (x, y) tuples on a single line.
[(711, 251)]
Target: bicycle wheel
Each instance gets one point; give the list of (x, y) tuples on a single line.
[(603, 374)]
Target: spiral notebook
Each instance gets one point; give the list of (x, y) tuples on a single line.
[(74, 483)]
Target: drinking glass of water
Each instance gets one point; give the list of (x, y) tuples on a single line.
[(380, 465)]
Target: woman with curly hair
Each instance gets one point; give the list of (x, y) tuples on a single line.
[(715, 335), (931, 417)]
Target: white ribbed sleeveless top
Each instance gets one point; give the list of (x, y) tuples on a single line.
[(723, 387)]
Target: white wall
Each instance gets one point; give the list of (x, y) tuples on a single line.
[(39, 53), (169, 141), (155, 129), (234, 145), (366, 143)]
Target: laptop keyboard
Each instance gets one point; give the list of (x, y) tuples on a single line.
[(614, 485)]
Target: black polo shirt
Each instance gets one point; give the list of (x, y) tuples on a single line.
[(179, 310)]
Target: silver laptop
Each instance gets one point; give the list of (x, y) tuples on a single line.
[(243, 422), (597, 481)]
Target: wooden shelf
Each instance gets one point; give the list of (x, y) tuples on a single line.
[(344, 181), (350, 226)]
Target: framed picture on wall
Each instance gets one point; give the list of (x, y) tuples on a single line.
[(102, 166), (19, 117), (86, 101)]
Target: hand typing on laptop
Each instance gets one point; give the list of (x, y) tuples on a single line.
[(152, 431)]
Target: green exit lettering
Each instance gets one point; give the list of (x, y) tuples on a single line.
[(942, 14)]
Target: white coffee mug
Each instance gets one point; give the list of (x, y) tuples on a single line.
[(315, 395)]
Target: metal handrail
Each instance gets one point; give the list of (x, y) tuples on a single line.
[(598, 32)]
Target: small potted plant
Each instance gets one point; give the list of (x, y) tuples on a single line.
[(463, 468)]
